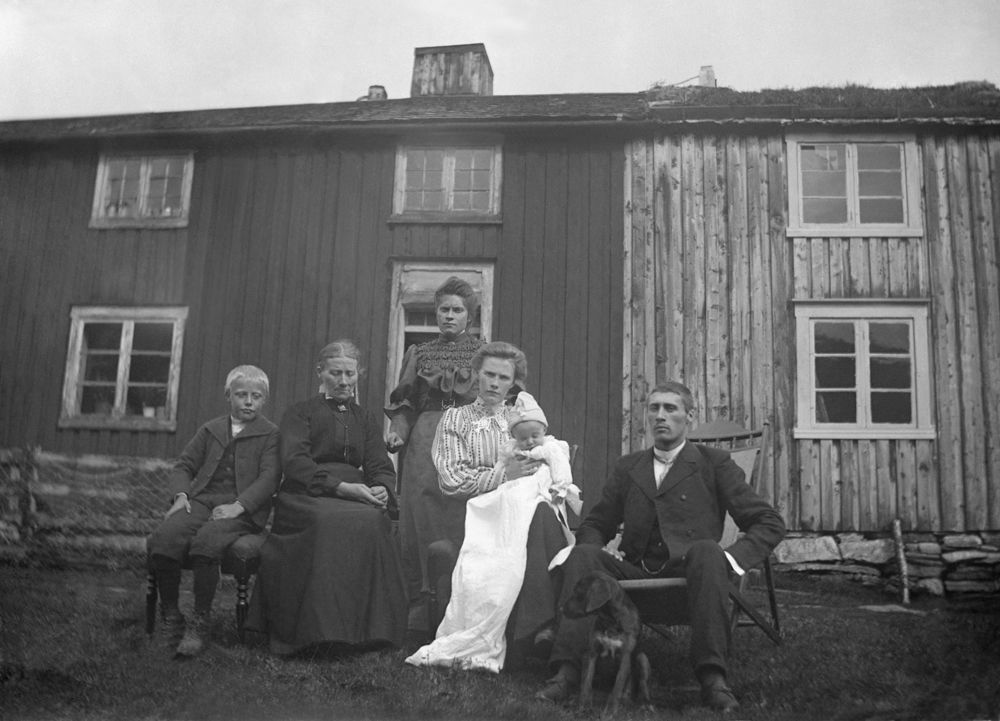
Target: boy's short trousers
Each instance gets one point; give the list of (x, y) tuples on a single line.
[(196, 534)]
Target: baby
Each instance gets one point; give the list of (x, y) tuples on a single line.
[(528, 427)]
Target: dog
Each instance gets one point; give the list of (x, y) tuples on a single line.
[(614, 636)]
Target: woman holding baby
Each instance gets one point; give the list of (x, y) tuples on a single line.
[(513, 490)]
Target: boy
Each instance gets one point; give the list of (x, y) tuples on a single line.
[(222, 487)]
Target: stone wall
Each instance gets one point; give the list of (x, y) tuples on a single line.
[(937, 564)]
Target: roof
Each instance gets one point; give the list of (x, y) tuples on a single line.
[(963, 103)]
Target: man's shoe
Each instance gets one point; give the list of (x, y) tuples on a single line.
[(195, 637), (559, 687), (716, 694), (172, 628)]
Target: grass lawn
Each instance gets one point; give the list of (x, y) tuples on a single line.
[(73, 647)]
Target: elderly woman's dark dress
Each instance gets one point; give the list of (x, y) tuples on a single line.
[(435, 376), (330, 570)]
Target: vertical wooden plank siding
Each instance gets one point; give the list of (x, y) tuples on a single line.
[(673, 270), (984, 246), (712, 228), (945, 336), (740, 278), (967, 309), (661, 194), (718, 215)]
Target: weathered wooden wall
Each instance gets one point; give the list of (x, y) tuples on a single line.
[(712, 274), (288, 247)]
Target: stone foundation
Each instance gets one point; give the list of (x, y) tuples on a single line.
[(936, 563)]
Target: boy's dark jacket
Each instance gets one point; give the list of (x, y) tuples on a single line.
[(257, 463)]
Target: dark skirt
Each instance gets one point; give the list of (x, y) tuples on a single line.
[(330, 573), (426, 514)]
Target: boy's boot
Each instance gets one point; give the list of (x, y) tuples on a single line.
[(172, 628), (196, 635)]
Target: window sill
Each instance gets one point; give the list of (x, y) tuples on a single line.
[(868, 231), (445, 219), (120, 424), (150, 223), (865, 434)]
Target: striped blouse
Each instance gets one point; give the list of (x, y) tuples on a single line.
[(467, 449)]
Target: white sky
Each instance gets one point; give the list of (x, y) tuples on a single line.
[(92, 57)]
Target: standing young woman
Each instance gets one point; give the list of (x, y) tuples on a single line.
[(436, 375)]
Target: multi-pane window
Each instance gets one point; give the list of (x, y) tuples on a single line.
[(123, 367), (421, 324), (863, 371), (138, 190), (841, 187), (435, 181)]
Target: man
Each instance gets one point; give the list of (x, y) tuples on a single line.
[(672, 500)]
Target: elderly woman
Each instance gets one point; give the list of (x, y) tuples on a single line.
[(471, 452), (330, 571), (436, 375)]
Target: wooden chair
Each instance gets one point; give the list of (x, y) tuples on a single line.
[(241, 560), (663, 601)]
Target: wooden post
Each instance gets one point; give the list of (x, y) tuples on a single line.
[(904, 575)]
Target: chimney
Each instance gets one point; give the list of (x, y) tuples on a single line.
[(706, 77), (375, 92), (451, 70)]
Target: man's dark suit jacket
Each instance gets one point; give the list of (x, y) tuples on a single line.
[(702, 485)]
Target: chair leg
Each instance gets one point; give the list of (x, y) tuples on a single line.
[(749, 610), (151, 598), (242, 604), (771, 597)]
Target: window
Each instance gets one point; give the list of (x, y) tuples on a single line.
[(841, 187), (122, 368), (442, 184), (420, 323), (864, 370), (142, 191)]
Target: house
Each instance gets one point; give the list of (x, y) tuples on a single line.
[(823, 259)]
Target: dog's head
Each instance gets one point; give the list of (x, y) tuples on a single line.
[(591, 594)]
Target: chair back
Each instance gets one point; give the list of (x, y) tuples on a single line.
[(744, 448)]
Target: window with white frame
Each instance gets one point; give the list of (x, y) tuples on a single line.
[(853, 187), (123, 368), (863, 370), (142, 191), (438, 182)]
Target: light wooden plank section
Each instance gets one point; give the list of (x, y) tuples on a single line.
[(928, 507), (885, 465), (674, 270), (868, 485), (716, 381), (967, 314), (810, 511), (906, 483), (694, 267), (828, 482), (984, 244), (783, 329), (945, 337), (849, 510), (741, 331)]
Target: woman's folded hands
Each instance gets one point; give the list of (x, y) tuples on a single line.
[(377, 496)]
